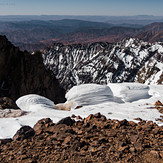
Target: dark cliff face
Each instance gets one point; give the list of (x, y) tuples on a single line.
[(22, 73)]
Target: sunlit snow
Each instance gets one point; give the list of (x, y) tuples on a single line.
[(120, 101)]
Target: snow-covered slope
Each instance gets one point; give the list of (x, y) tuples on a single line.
[(112, 108), (152, 71), (105, 63)]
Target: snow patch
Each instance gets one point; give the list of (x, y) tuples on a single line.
[(27, 102), (89, 94), (130, 92)]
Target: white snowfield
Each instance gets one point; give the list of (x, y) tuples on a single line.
[(115, 101)]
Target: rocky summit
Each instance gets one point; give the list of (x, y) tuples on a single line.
[(22, 73), (92, 139), (126, 61)]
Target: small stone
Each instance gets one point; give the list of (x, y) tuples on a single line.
[(123, 122), (121, 149), (89, 117), (67, 140), (97, 115), (131, 123), (155, 153), (79, 117), (67, 121), (161, 154), (138, 146), (73, 116), (133, 138), (132, 149), (158, 103), (138, 119)]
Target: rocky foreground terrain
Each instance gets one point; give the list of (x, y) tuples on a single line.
[(92, 139)]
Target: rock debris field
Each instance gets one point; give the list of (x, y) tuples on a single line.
[(92, 139)]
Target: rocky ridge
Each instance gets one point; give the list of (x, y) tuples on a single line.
[(92, 139), (102, 62), (22, 73)]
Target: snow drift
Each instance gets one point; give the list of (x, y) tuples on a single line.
[(94, 98), (28, 102), (130, 92), (89, 94)]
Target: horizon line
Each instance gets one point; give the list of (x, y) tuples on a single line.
[(81, 15)]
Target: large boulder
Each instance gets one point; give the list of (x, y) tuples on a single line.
[(24, 132)]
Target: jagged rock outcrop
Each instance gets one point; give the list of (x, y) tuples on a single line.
[(152, 71), (92, 139), (7, 103), (102, 62), (22, 73)]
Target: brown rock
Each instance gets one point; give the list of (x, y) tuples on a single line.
[(123, 122), (67, 121), (7, 103), (89, 117), (133, 138), (155, 153), (97, 115), (42, 123), (161, 154), (158, 103), (132, 149), (79, 117), (24, 132), (138, 146), (73, 116), (67, 140), (5, 141)]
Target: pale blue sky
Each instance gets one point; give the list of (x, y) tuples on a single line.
[(82, 7)]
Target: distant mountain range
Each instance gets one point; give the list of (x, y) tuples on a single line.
[(138, 19), (36, 34)]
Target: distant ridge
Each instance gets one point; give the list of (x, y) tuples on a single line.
[(36, 34)]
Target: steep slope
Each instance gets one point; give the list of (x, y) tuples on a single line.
[(152, 33), (100, 62), (22, 73), (152, 71)]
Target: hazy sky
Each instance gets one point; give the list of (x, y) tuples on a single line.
[(81, 7)]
